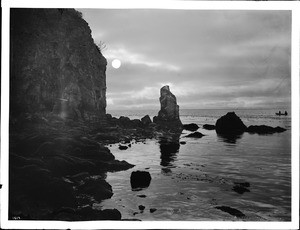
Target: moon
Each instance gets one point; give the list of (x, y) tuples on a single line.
[(116, 63)]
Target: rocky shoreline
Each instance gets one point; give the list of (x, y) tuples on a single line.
[(58, 167)]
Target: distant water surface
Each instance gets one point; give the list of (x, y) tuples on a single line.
[(189, 183)]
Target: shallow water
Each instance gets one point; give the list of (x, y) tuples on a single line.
[(189, 184)]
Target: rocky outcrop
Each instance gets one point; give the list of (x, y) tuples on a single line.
[(55, 65), (146, 120), (230, 124), (264, 129), (191, 127), (195, 135), (168, 116), (209, 127)]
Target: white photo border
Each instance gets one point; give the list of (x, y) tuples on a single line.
[(293, 6)]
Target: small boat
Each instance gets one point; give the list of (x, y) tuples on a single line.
[(282, 114)]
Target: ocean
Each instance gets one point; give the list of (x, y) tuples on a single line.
[(202, 180)]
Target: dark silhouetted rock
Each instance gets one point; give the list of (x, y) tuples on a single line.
[(97, 188), (88, 213), (139, 180), (230, 124), (142, 196), (152, 210), (123, 147), (191, 127), (146, 120), (195, 135), (231, 211), (264, 129), (209, 127), (244, 184), (168, 116), (111, 214), (124, 121), (137, 123), (240, 189), (141, 207)]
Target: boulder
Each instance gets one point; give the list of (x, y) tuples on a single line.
[(124, 121), (88, 213), (123, 147), (191, 127), (230, 124), (139, 180), (141, 207), (168, 116), (209, 127), (152, 210), (136, 123), (264, 129), (231, 211), (195, 135), (146, 120)]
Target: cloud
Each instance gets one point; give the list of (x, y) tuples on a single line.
[(135, 58), (209, 58)]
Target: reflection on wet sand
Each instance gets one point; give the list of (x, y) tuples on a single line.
[(229, 138), (168, 150)]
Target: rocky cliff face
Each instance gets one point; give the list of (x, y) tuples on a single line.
[(55, 65)]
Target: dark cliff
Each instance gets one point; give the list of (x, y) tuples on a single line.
[(55, 64)]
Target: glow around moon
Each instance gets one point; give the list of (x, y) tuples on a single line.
[(116, 63)]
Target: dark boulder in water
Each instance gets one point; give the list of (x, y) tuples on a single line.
[(123, 147), (191, 127), (152, 210), (140, 180), (141, 207), (231, 211), (230, 124), (240, 189), (195, 135), (209, 127), (264, 129)]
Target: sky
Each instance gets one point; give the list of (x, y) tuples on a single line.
[(210, 58)]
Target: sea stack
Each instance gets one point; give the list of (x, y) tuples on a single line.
[(168, 116)]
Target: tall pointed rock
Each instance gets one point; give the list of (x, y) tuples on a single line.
[(168, 116)]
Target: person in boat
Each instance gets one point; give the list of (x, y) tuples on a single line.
[(285, 113)]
